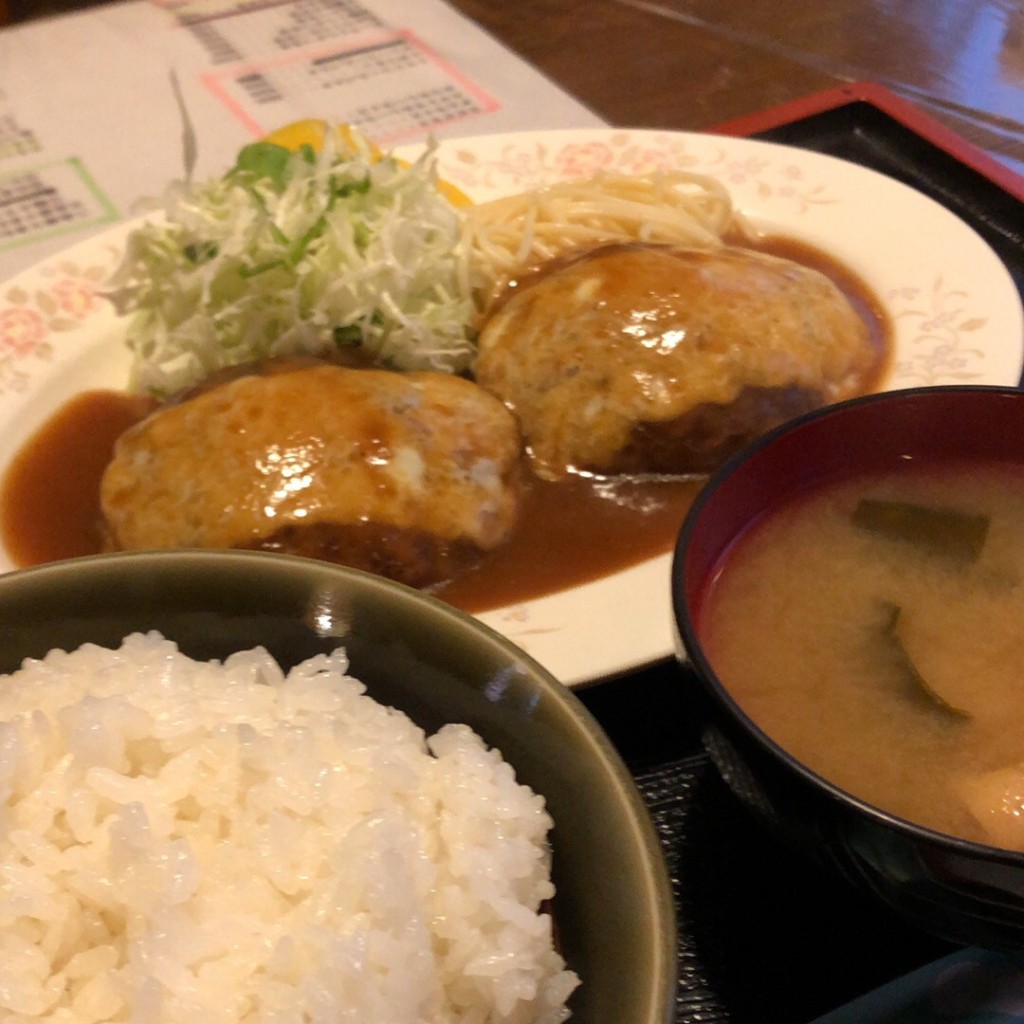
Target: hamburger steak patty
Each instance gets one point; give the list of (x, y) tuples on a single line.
[(409, 475), (643, 358)]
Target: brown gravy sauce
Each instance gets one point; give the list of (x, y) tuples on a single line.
[(50, 497), (571, 532)]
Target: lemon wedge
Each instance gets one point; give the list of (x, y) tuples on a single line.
[(313, 131), (451, 192)]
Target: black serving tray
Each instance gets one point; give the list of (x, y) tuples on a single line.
[(764, 937)]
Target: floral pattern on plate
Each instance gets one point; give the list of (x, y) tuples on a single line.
[(941, 346), (39, 309), (521, 164)]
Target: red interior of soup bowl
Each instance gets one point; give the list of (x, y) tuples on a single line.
[(878, 432)]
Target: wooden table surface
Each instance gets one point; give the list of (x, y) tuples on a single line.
[(690, 64)]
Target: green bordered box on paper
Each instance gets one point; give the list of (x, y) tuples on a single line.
[(50, 200)]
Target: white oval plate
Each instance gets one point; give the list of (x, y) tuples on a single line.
[(956, 315)]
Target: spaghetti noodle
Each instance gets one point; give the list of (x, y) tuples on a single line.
[(515, 234)]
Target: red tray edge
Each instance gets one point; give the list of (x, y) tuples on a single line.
[(896, 107)]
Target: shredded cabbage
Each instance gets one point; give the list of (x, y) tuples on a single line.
[(294, 253)]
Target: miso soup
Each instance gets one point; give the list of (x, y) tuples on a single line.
[(875, 630)]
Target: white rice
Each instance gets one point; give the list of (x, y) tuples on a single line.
[(180, 841)]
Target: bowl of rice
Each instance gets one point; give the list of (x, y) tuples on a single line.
[(246, 787)]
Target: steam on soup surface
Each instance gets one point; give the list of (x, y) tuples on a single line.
[(875, 630)]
